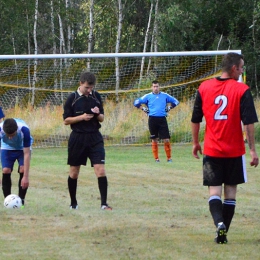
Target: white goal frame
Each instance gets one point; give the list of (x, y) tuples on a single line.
[(59, 138)]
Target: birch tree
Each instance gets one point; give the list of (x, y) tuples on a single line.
[(35, 51), (256, 15), (67, 3), (62, 48), (118, 38), (91, 29), (54, 46), (145, 43), (154, 36), (28, 46)]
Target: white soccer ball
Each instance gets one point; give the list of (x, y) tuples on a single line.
[(13, 201)]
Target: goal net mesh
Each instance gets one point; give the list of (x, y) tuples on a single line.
[(35, 90)]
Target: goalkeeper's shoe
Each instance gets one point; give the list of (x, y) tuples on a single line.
[(169, 160), (221, 234), (106, 207), (157, 160), (74, 206)]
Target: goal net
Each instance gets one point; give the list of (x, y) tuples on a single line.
[(35, 87)]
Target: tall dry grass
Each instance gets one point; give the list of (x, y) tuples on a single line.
[(123, 122)]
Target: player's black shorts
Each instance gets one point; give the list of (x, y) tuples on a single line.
[(85, 145), (158, 127), (230, 171)]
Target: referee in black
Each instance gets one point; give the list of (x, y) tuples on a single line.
[(83, 111)]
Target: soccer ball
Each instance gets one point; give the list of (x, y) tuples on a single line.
[(13, 201)]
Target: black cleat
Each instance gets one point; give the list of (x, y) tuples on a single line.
[(221, 234)]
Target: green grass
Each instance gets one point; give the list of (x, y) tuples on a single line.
[(160, 211)]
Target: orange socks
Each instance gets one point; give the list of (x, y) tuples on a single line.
[(155, 150), (168, 150)]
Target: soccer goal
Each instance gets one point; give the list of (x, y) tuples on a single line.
[(34, 87)]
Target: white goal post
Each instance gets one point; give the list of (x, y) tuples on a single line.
[(34, 87)]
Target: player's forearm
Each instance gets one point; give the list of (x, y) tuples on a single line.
[(73, 120), (100, 117), (195, 128), (26, 161), (250, 136)]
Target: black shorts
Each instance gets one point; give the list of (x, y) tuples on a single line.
[(158, 127), (82, 146), (230, 171)]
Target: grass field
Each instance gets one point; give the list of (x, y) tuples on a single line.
[(160, 211)]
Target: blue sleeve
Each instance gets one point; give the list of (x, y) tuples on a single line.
[(142, 100), (27, 136), (174, 102), (2, 115)]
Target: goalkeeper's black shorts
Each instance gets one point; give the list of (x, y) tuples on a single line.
[(158, 127), (82, 146)]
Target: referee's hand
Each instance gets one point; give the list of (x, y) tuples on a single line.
[(87, 117)]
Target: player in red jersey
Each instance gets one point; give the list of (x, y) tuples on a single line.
[(225, 103)]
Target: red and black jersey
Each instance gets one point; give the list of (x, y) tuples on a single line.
[(224, 103)]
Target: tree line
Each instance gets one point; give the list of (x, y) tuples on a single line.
[(98, 26)]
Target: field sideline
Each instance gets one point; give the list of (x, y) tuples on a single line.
[(160, 211)]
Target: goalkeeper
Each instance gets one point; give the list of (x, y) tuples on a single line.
[(157, 104)]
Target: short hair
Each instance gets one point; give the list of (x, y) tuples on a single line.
[(10, 126), (230, 59), (155, 82), (88, 77)]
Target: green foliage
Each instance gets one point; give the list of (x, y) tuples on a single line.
[(257, 133), (182, 26)]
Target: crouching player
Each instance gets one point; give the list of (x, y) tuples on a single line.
[(16, 144)]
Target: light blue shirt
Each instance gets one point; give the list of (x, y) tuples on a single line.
[(2, 115), (20, 140), (156, 103)]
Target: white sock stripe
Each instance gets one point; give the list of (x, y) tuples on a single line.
[(230, 202), (214, 198)]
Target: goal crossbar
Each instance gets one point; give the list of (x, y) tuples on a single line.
[(35, 87), (115, 55)]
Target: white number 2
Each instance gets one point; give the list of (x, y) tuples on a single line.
[(222, 100)]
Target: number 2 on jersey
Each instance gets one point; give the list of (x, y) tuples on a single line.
[(222, 101)]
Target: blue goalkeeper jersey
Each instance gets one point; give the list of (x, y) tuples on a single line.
[(20, 140), (157, 103)]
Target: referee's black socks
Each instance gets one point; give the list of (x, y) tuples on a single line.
[(72, 185), (102, 185)]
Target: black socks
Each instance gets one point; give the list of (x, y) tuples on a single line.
[(228, 211), (222, 212), (72, 185), (6, 184), (102, 185), (22, 192), (215, 208)]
